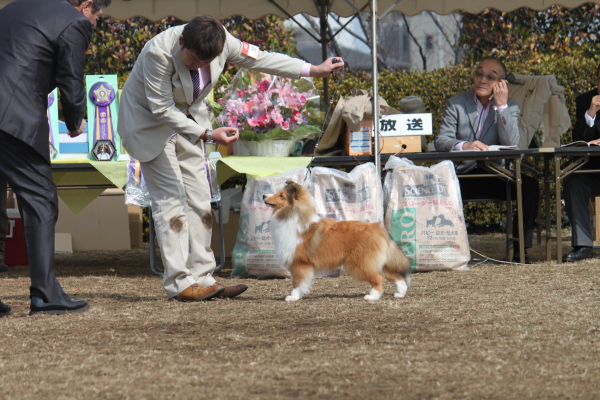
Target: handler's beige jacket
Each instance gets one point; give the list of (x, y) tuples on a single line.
[(158, 92)]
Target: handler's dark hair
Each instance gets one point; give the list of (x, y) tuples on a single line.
[(96, 6), (205, 36)]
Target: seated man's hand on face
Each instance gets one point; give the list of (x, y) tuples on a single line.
[(476, 145), (500, 92)]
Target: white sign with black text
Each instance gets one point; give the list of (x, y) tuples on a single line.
[(405, 124)]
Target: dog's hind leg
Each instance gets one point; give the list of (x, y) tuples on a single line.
[(376, 282), (397, 269), (301, 282), (397, 279)]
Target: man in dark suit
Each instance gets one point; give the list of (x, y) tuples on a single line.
[(477, 119), (42, 46), (579, 189)]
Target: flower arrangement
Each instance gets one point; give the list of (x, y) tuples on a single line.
[(265, 107)]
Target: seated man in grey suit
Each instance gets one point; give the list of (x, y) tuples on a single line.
[(481, 117), (579, 189)]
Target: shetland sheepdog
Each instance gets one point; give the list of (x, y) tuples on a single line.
[(305, 244)]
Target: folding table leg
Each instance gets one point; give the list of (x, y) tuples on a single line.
[(155, 269)]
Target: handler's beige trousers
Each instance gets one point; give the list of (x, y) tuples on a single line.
[(177, 183)]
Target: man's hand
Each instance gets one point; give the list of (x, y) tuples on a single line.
[(594, 106), (500, 92), (225, 135), (329, 66), (595, 141), (476, 145), (78, 131)]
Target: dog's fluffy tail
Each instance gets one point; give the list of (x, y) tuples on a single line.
[(396, 260)]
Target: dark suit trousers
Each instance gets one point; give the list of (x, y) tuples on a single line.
[(578, 191), (30, 177), (3, 216), (495, 188)]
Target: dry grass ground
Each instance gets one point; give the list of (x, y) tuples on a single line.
[(495, 332)]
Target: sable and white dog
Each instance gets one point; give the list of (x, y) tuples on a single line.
[(305, 244)]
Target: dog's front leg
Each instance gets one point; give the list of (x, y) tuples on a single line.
[(302, 276)]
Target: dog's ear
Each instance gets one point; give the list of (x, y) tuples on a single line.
[(293, 189)]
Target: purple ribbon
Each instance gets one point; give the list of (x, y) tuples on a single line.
[(102, 94), (135, 173)]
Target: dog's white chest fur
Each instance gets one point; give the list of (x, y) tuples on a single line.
[(286, 236)]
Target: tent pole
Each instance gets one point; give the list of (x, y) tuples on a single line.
[(323, 26), (375, 97)]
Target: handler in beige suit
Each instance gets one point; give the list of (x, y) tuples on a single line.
[(165, 94)]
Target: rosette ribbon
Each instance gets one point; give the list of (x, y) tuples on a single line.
[(102, 94)]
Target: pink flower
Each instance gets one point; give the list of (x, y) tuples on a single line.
[(264, 104), (264, 85)]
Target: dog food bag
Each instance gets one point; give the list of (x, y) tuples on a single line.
[(254, 251), (424, 215), (348, 196)]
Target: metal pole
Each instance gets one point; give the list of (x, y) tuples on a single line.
[(323, 26), (375, 96)]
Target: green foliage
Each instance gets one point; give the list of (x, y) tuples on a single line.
[(555, 32), (116, 44)]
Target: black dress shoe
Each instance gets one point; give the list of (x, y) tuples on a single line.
[(579, 253), (517, 258), (3, 267), (62, 305), (5, 309)]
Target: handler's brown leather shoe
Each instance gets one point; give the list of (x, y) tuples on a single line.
[(230, 291), (197, 292)]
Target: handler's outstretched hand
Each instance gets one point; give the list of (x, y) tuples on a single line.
[(225, 135), (330, 66)]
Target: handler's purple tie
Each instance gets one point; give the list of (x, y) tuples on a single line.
[(196, 82)]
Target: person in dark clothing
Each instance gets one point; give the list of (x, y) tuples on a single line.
[(42, 46), (579, 189)]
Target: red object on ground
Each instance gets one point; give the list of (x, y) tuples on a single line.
[(15, 252)]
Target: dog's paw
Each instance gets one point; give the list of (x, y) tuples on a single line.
[(401, 288), (373, 295), (291, 298)]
